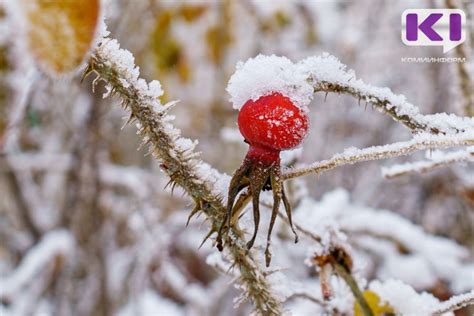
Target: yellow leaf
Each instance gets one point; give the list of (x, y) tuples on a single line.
[(167, 51), (374, 303), (60, 32)]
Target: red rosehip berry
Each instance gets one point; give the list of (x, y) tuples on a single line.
[(271, 124)]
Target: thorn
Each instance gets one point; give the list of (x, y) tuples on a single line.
[(168, 184), (196, 209), (95, 82), (231, 267), (207, 237), (268, 257), (89, 69), (326, 96), (129, 120), (168, 106), (173, 186)]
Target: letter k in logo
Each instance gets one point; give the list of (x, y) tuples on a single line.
[(426, 27)]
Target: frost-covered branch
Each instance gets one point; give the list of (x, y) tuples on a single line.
[(178, 160), (439, 160), (54, 243), (406, 301), (353, 155), (24, 210), (455, 303), (401, 244), (299, 81), (327, 74)]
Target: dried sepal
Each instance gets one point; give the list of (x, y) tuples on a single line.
[(336, 254), (325, 280), (256, 177)]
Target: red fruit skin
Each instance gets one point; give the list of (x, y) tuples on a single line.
[(272, 124)]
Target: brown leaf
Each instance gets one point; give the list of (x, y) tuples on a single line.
[(60, 32)]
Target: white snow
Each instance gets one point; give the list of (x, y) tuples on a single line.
[(404, 299), (54, 243), (215, 259), (336, 215), (264, 75), (149, 303)]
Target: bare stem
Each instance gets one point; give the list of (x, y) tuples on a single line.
[(349, 279)]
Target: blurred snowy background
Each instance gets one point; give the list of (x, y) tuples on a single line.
[(87, 227)]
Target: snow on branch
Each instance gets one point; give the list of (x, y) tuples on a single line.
[(353, 155), (54, 243), (178, 159), (437, 160), (455, 303), (436, 258), (327, 74), (403, 298), (407, 301), (264, 75)]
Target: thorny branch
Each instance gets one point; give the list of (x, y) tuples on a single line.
[(417, 123), (181, 168)]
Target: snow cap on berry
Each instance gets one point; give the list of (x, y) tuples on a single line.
[(264, 75)]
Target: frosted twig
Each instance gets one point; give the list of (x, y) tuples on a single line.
[(354, 155), (299, 81), (418, 122), (116, 67), (24, 209), (327, 74), (54, 243), (429, 165), (455, 303)]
